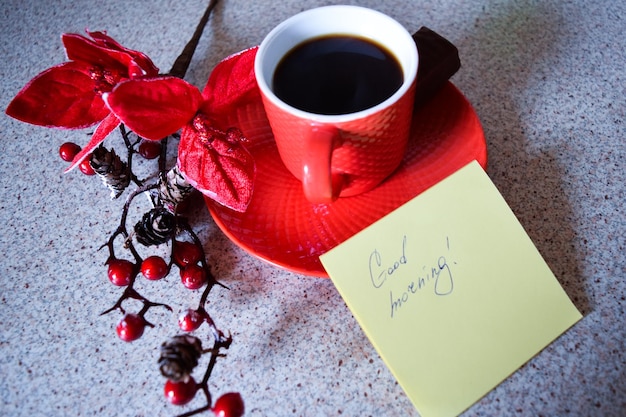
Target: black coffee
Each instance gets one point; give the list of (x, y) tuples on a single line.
[(337, 75)]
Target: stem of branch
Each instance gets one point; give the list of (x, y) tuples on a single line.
[(179, 69)]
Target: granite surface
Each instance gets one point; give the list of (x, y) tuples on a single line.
[(548, 83)]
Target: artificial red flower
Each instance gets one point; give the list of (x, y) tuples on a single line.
[(107, 83), (211, 157), (69, 95), (154, 108)]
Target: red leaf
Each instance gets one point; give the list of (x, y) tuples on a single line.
[(102, 131), (218, 165), (140, 65), (139, 59), (108, 53), (81, 49), (154, 107), (230, 84), (101, 38), (62, 96)]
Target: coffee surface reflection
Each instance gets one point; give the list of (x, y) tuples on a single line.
[(334, 75)]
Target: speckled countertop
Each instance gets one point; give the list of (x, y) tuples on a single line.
[(548, 83)]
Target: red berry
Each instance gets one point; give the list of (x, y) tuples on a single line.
[(193, 276), (229, 405), (154, 268), (121, 272), (180, 393), (186, 253), (190, 320), (85, 166), (150, 149), (130, 327), (68, 151)]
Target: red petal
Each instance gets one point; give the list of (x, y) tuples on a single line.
[(154, 107), (101, 38), (139, 65), (231, 83), (79, 48), (62, 96), (222, 169), (104, 51), (102, 131)]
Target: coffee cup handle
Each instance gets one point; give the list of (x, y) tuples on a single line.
[(320, 184)]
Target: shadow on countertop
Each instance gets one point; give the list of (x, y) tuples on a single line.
[(501, 56)]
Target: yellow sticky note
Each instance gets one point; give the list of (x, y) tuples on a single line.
[(451, 292)]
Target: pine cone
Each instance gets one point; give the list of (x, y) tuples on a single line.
[(155, 227), (179, 356), (173, 189), (113, 172)]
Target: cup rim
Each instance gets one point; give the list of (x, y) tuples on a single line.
[(410, 72)]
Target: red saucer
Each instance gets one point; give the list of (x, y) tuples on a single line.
[(284, 229)]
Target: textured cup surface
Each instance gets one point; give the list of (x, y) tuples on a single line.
[(368, 145)]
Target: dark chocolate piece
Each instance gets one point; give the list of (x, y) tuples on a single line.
[(438, 61)]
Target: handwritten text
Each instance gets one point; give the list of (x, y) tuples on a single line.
[(439, 276), (436, 275), (379, 272)]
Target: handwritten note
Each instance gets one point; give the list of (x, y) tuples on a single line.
[(451, 292)]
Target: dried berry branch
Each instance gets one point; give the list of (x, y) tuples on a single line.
[(204, 384), (115, 81), (130, 151), (162, 225)]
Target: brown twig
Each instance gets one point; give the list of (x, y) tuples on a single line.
[(179, 69)]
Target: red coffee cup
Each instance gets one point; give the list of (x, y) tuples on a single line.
[(347, 152)]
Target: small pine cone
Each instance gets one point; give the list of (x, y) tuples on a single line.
[(179, 356), (173, 189), (113, 172), (155, 227)]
